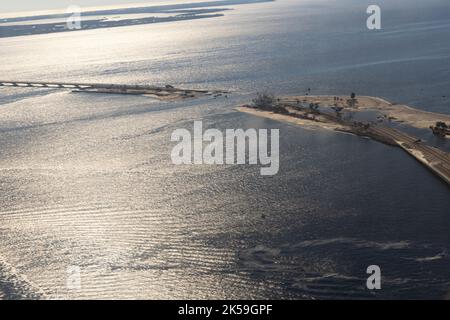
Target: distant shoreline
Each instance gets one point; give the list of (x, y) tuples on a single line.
[(99, 18), (58, 27)]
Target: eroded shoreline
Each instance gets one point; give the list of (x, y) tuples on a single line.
[(304, 111), (395, 112)]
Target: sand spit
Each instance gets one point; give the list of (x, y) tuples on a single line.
[(395, 112), (308, 112), (160, 94), (308, 124)]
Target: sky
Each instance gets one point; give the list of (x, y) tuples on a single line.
[(8, 6)]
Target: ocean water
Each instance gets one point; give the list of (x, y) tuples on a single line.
[(87, 181)]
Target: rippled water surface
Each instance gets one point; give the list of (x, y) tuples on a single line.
[(87, 180)]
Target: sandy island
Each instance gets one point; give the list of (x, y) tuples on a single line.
[(338, 113)]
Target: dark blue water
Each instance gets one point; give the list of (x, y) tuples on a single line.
[(87, 180)]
